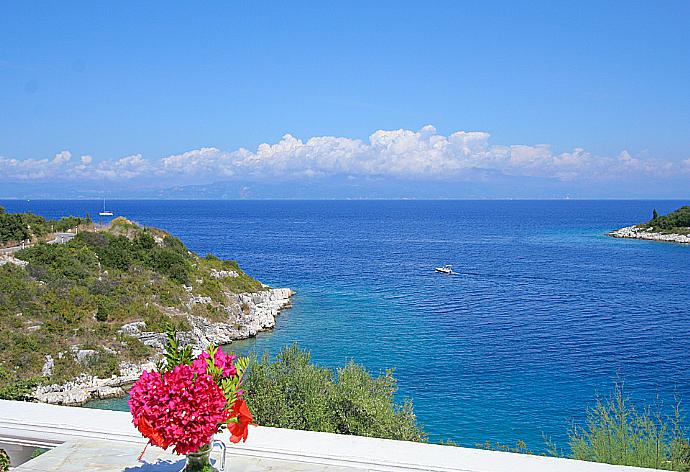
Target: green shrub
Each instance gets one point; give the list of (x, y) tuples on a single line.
[(117, 254), (171, 263), (71, 261), (173, 243), (159, 322), (616, 433), (92, 239), (12, 228), (134, 349), (103, 364), (294, 393), (17, 389)]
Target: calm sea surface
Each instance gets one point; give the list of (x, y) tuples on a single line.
[(545, 313)]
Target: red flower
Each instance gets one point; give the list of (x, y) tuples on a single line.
[(239, 430), (144, 426)]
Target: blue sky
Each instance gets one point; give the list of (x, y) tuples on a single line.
[(572, 97)]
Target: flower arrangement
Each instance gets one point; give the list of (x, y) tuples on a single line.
[(188, 400)]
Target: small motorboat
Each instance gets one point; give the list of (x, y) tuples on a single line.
[(446, 269)]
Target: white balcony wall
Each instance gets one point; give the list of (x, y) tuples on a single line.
[(26, 425)]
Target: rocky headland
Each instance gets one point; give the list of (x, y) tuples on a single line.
[(82, 317), (671, 228)]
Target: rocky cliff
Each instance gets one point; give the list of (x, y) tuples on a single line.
[(245, 315)]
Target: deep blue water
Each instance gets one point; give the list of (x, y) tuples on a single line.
[(546, 312)]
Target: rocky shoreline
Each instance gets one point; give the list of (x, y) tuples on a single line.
[(247, 314), (636, 232)]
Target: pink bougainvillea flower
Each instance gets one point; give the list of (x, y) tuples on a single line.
[(199, 365), (182, 408), (225, 362)]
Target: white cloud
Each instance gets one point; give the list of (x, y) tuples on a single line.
[(423, 154), (62, 157), (125, 168)]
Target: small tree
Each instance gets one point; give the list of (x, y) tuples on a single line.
[(655, 215)]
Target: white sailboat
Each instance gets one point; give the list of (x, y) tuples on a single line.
[(105, 212)]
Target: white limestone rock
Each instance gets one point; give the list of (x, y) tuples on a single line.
[(109, 392), (83, 355), (222, 274), (635, 232), (149, 338), (86, 387), (8, 259), (248, 313), (132, 329), (48, 366), (193, 300)]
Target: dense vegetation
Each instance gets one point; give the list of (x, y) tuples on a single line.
[(17, 227), (77, 295), (675, 222), (291, 392)]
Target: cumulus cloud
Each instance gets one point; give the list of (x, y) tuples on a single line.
[(33, 169), (407, 154), (62, 157)]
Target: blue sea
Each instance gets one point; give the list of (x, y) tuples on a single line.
[(546, 311)]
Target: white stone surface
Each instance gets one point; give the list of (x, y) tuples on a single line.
[(248, 314), (36, 424), (633, 232), (85, 387), (8, 259), (48, 366), (222, 274)]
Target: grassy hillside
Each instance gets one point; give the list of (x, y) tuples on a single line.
[(77, 295)]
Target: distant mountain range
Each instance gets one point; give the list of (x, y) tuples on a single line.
[(482, 185)]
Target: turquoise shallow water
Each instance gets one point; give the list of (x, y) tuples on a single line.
[(546, 312)]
